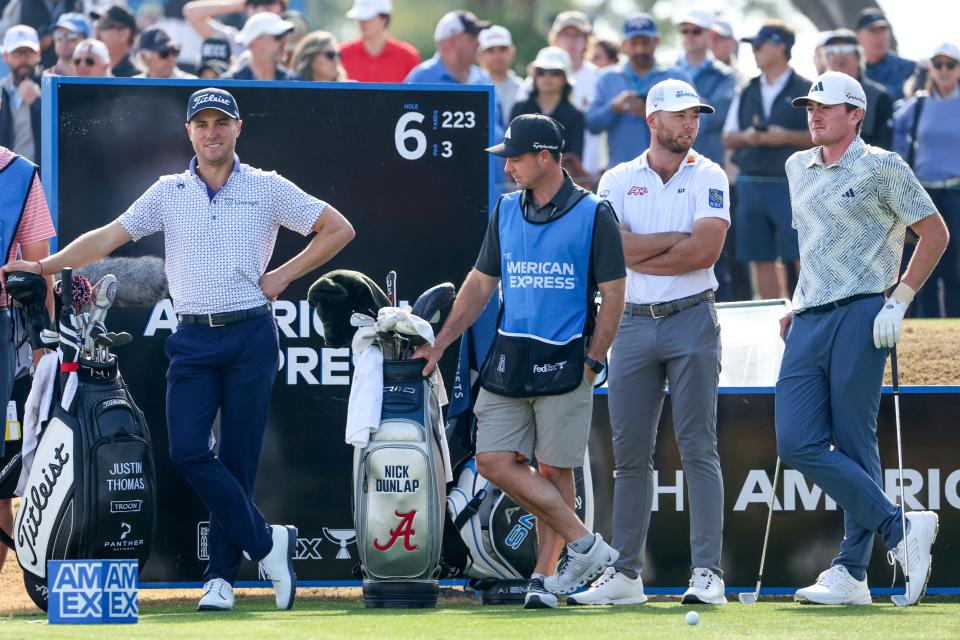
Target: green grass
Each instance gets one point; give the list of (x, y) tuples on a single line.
[(256, 618)]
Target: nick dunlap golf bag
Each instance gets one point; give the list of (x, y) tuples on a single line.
[(399, 490), (91, 490)]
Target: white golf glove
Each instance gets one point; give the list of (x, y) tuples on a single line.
[(886, 326)]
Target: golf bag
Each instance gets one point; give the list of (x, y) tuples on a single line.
[(91, 491), (398, 496)]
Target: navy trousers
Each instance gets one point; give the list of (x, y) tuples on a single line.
[(828, 397), (230, 369)]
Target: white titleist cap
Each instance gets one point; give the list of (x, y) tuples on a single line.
[(674, 95), (834, 87), (495, 36)]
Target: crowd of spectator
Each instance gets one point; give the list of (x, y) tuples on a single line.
[(596, 88)]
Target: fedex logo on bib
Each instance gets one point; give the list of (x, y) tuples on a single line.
[(93, 592), (540, 275)]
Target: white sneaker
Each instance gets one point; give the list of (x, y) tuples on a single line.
[(537, 597), (612, 587), (921, 533), (278, 565), (835, 586), (577, 569), (706, 587), (217, 596)]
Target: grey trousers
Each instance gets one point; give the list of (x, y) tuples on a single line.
[(685, 349)]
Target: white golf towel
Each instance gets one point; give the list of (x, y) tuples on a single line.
[(36, 411)]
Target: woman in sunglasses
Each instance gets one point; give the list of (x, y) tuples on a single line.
[(91, 59), (317, 58), (550, 96), (926, 132), (157, 56)]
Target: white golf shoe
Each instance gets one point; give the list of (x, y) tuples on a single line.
[(612, 587), (217, 596), (578, 569), (835, 586), (706, 587), (921, 533), (278, 565)]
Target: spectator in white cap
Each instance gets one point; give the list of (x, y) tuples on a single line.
[(572, 31), (497, 55), (376, 56), (265, 35), (202, 16), (70, 29), (851, 205), (715, 82), (457, 38), (91, 59), (723, 44), (552, 88), (20, 101), (927, 135)]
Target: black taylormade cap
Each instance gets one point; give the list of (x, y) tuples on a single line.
[(211, 98), (530, 133)]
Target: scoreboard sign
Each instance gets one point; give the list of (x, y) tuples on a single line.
[(406, 165)]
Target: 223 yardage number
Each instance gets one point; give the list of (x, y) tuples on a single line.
[(411, 142)]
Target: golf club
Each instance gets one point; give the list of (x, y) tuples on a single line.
[(900, 600), (748, 597), (392, 288), (361, 320)]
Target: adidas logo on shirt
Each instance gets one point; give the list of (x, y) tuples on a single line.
[(849, 193)]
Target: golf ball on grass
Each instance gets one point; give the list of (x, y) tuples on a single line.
[(692, 617)]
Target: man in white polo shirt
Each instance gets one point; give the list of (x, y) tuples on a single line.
[(673, 205), (851, 205)]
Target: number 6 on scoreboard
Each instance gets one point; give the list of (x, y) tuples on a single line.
[(401, 134)]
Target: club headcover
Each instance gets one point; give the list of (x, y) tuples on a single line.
[(337, 295)]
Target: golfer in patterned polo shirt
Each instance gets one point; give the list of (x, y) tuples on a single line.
[(220, 220), (851, 206)]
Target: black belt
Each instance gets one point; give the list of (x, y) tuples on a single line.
[(836, 304), (223, 319), (664, 309)]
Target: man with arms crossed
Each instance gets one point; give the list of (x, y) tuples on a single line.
[(673, 204), (220, 220), (851, 206), (553, 245)]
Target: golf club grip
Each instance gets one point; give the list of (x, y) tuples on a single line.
[(66, 288), (894, 373)]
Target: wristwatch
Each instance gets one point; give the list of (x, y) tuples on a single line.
[(595, 365)]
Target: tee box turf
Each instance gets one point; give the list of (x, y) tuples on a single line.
[(92, 592)]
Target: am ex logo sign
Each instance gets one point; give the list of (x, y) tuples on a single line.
[(93, 592)]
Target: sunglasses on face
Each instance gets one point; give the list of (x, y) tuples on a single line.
[(945, 64), (84, 61), (331, 55), (107, 25), (553, 73), (696, 31), (60, 37), (839, 49), (169, 52)]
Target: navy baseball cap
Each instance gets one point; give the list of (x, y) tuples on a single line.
[(872, 18), (771, 33), (530, 133), (211, 98), (641, 24), (156, 39)]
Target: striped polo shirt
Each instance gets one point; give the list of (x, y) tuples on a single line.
[(851, 218), (35, 224), (218, 244)]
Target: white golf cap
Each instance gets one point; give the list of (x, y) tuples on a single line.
[(702, 19), (553, 58), (456, 22), (834, 87), (947, 49), (264, 24), (495, 36), (722, 27), (366, 9), (674, 95), (92, 47), (19, 36)]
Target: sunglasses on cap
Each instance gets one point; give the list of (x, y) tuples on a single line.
[(839, 49), (555, 73), (945, 64), (88, 61), (59, 36), (692, 31)]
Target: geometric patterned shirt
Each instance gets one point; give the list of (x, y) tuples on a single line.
[(217, 245), (851, 218)]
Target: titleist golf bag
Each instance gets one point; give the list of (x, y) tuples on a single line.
[(399, 493), (91, 490)]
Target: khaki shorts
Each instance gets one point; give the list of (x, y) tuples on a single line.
[(554, 428)]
